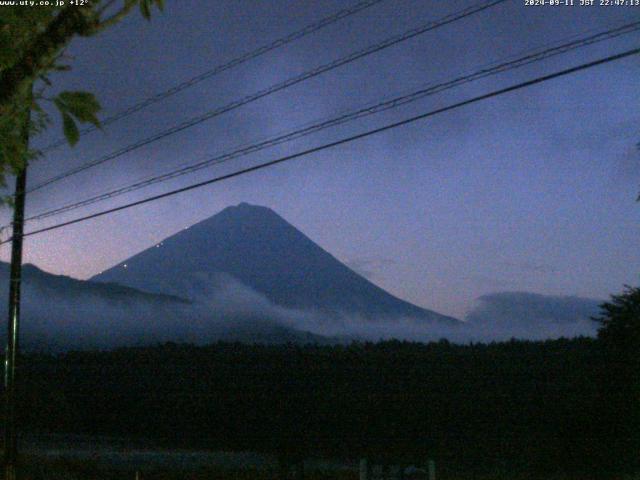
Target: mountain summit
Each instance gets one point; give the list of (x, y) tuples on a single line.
[(252, 246)]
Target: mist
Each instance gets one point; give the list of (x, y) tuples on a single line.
[(61, 313)]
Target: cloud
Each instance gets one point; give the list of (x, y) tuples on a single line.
[(61, 313), (533, 316)]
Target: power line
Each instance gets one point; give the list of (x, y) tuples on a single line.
[(342, 141), (495, 63), (393, 40), (307, 30), (350, 116)]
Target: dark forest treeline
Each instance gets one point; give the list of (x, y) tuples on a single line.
[(554, 406)]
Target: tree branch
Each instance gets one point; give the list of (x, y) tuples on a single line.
[(105, 7), (69, 22), (116, 17)]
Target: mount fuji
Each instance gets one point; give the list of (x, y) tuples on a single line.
[(253, 251)]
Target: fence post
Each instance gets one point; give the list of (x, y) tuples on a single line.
[(432, 470), (364, 469)]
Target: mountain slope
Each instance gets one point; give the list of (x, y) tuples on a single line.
[(60, 313), (257, 247), (48, 283)]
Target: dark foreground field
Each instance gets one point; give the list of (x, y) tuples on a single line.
[(35, 468), (555, 409)]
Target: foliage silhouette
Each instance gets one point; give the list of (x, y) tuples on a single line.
[(521, 406)]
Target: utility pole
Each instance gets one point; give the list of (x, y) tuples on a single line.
[(11, 354)]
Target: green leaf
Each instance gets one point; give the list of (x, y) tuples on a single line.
[(80, 99), (82, 105), (70, 129), (145, 9)]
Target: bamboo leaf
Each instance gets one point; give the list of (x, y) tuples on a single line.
[(145, 9), (70, 129), (82, 105)]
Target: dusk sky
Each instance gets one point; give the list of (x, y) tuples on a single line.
[(531, 191)]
